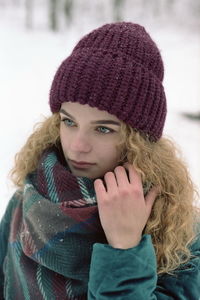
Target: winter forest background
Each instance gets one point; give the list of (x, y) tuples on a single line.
[(36, 35)]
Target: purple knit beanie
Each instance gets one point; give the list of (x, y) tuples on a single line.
[(117, 68)]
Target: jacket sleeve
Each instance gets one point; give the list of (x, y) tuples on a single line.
[(4, 236), (131, 275)]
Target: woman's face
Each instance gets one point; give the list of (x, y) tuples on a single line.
[(89, 135)]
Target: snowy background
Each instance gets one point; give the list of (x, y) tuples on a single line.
[(30, 53)]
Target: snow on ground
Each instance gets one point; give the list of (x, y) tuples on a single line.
[(29, 59)]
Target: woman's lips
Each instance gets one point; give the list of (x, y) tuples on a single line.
[(81, 165)]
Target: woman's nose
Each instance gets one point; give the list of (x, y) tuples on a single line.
[(81, 143)]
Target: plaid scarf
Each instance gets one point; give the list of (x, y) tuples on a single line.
[(60, 224)]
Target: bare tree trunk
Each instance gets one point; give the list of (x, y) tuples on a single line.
[(2, 3), (16, 2), (68, 5), (117, 10), (53, 14), (156, 8), (29, 13), (169, 5), (145, 4), (150, 7)]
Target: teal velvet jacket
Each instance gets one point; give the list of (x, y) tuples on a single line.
[(131, 274), (115, 273)]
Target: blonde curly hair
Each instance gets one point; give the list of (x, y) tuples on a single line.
[(171, 223)]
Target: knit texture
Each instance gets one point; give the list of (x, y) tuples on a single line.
[(52, 233), (117, 68)]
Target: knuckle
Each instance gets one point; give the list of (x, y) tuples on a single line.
[(125, 192), (108, 202), (102, 199), (134, 190), (114, 196), (105, 201), (137, 191)]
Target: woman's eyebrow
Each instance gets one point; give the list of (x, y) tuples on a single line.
[(93, 122), (65, 113)]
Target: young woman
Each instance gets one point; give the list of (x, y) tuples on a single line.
[(104, 207)]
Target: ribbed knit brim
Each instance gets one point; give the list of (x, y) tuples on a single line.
[(116, 68)]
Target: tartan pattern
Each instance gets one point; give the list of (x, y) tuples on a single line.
[(53, 229)]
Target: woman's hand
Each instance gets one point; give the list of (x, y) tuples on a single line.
[(123, 210)]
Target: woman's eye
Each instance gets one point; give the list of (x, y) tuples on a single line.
[(68, 122), (102, 129)]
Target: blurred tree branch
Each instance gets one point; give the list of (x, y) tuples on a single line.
[(68, 5), (53, 14), (117, 10), (29, 13)]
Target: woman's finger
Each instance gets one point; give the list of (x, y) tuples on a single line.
[(110, 181), (151, 196), (99, 189), (122, 176), (134, 176)]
